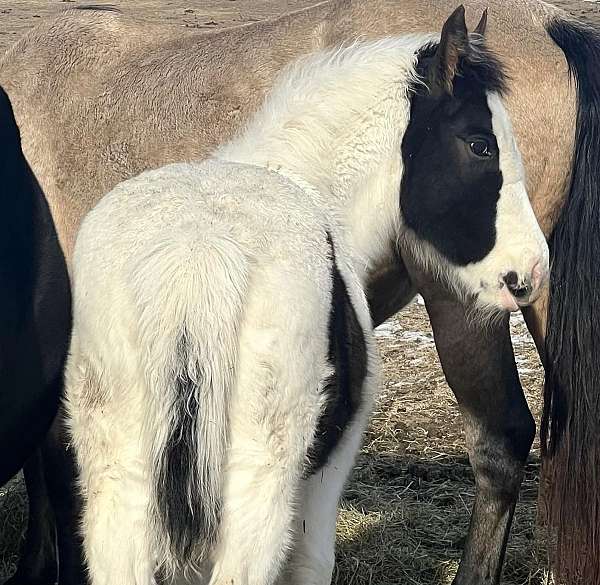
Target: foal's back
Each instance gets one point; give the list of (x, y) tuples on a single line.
[(101, 97), (270, 218)]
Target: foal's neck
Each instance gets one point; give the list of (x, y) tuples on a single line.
[(335, 120)]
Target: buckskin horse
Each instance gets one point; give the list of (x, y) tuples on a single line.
[(100, 97)]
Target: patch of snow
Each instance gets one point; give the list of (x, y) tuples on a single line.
[(386, 330), (417, 336)]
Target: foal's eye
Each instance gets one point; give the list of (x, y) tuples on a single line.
[(481, 148)]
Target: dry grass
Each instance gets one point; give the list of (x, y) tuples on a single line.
[(13, 515), (406, 511)]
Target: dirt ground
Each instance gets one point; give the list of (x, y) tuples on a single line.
[(406, 511)]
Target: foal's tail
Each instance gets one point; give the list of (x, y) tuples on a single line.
[(191, 291), (571, 421)]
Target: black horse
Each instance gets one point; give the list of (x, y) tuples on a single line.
[(35, 324)]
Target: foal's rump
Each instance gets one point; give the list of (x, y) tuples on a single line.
[(215, 285), (189, 296)]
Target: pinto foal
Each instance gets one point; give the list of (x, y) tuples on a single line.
[(222, 366)]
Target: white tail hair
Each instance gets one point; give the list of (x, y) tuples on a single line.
[(189, 289)]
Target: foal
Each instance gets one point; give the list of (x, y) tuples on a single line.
[(222, 367)]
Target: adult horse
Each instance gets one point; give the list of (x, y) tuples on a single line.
[(35, 325), (100, 98), (33, 336)]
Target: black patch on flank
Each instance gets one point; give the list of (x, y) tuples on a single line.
[(178, 493), (448, 195), (348, 356)]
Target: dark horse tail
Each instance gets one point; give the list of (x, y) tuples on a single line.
[(570, 429)]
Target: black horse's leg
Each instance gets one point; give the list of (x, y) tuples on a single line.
[(64, 497), (53, 530), (37, 564), (479, 364)]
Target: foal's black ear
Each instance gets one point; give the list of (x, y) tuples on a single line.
[(454, 43), (480, 28)]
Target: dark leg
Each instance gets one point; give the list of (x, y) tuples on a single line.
[(54, 510), (37, 565), (536, 317), (389, 289), (479, 365), (64, 496)]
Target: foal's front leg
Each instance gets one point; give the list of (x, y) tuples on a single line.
[(479, 364)]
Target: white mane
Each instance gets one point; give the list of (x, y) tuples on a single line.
[(354, 79), (335, 120)]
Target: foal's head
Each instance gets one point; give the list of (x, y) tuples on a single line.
[(463, 194)]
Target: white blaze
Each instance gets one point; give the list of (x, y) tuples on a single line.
[(520, 243)]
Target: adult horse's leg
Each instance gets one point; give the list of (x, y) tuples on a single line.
[(37, 564), (479, 364), (389, 289), (536, 317), (53, 545), (60, 473)]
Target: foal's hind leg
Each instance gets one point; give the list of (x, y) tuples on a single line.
[(479, 365), (106, 426), (313, 557), (273, 416)]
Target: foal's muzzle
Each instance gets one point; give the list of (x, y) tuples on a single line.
[(522, 290)]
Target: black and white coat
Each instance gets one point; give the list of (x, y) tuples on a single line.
[(222, 366)]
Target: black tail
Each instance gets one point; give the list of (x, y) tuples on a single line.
[(178, 501), (570, 428), (188, 519)]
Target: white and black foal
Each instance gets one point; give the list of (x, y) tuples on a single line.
[(222, 366)]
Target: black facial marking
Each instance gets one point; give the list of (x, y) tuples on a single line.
[(452, 179), (348, 355)]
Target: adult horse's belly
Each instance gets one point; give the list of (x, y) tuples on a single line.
[(100, 97)]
